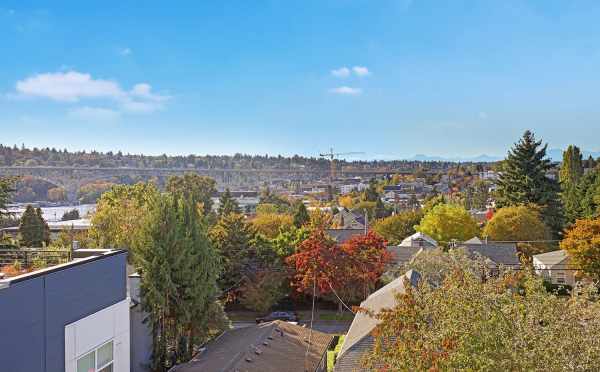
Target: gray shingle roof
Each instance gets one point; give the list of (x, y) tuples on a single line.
[(343, 235), (358, 337), (285, 352), (500, 253)]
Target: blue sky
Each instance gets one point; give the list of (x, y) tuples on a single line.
[(392, 78)]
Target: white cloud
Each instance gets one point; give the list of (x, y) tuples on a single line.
[(68, 86), (346, 91), (361, 71), (341, 72), (73, 86), (125, 51), (94, 114)]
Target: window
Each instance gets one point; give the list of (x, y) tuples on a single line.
[(98, 360), (560, 278)]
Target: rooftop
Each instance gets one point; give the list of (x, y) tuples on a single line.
[(25, 263), (268, 347), (550, 259)]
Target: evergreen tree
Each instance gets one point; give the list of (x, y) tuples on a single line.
[(33, 228), (179, 268), (524, 181), (301, 216), (227, 204), (570, 174), (232, 238), (571, 168)]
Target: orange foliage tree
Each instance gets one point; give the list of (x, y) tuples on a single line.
[(582, 242), (349, 270)]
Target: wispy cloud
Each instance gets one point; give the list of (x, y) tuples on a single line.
[(73, 86), (125, 51), (344, 90), (341, 72), (97, 114), (361, 71)]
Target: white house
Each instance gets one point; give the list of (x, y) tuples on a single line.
[(554, 267)]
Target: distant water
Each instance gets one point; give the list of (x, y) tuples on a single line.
[(56, 213)]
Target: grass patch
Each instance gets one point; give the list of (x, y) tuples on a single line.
[(335, 316), (332, 354)]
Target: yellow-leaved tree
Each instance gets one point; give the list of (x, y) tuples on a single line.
[(447, 222), (520, 223), (582, 242)]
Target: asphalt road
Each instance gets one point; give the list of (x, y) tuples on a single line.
[(325, 326)]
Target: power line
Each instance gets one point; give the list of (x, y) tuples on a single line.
[(312, 316), (338, 297)]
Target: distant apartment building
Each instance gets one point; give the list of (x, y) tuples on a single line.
[(347, 188), (71, 317)]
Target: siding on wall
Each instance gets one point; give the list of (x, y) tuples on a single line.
[(35, 311)]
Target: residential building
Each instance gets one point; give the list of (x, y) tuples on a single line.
[(68, 317), (496, 253), (420, 240), (267, 347), (348, 188), (359, 340), (346, 219), (554, 267)]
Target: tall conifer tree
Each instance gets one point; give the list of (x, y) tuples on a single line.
[(524, 180), (571, 171)]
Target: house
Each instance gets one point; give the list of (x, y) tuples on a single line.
[(139, 328), (554, 267), (496, 253), (346, 219), (68, 317), (420, 240), (409, 248), (267, 347), (359, 340)]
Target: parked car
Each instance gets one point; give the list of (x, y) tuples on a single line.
[(288, 316)]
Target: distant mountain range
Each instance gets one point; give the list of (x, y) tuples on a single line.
[(554, 154)]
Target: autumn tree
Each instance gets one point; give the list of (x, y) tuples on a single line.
[(524, 180), (466, 323), (317, 262), (270, 224), (263, 289), (349, 271), (365, 259), (447, 222), (33, 228), (119, 213), (397, 227), (582, 243), (192, 185), (519, 223)]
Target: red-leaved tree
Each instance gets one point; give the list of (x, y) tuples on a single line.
[(349, 271)]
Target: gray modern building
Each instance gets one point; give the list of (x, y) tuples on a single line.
[(68, 317)]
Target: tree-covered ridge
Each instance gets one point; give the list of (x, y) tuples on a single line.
[(22, 156)]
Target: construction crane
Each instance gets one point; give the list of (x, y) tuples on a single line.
[(332, 155)]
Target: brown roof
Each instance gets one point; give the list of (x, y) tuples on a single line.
[(268, 347)]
